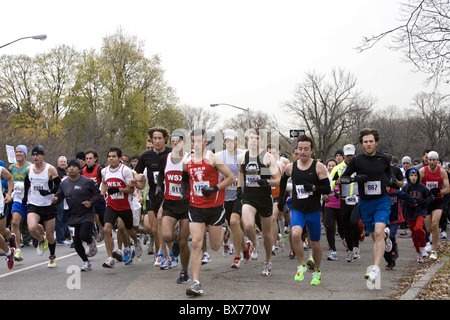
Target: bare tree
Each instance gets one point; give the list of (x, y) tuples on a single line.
[(198, 117), (423, 36), (433, 111), (328, 109)]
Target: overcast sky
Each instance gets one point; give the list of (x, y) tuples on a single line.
[(247, 53)]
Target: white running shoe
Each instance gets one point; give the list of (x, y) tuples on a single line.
[(372, 275), (86, 266)]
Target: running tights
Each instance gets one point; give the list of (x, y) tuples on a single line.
[(83, 232)]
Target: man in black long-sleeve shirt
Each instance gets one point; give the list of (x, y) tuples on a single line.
[(81, 195)]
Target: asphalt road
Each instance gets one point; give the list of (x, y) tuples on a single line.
[(31, 279)]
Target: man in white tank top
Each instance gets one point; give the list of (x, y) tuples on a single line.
[(41, 183)]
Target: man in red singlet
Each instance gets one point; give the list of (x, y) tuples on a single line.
[(207, 196), (436, 180)]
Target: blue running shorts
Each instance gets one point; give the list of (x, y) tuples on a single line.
[(312, 221), (374, 211)]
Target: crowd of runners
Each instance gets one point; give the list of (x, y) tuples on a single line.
[(168, 197)]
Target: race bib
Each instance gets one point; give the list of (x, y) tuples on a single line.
[(250, 180), (198, 186), (351, 200), (174, 189), (233, 186), (155, 176), (301, 192), (372, 188), (117, 196), (432, 184)]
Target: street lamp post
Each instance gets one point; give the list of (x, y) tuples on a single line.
[(230, 105), (37, 37)]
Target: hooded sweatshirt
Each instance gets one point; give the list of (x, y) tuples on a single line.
[(420, 193)]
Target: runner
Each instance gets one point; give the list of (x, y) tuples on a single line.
[(116, 177), (436, 180), (150, 164), (309, 182), (10, 239), (207, 195), (41, 182), (175, 210), (18, 210), (81, 195), (233, 204), (373, 174), (256, 167)]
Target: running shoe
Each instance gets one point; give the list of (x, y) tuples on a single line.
[(246, 253), (42, 245), (127, 259), (10, 258), (184, 277), (86, 266), (372, 275), (173, 261), (433, 256), (159, 260), (315, 278), (292, 255), (92, 248), (267, 270), (350, 256), (300, 274), (118, 255), (100, 236), (195, 289), (420, 258), (226, 250), (356, 253), (206, 258), (333, 256), (138, 249), (51, 262), (18, 255), (390, 266), (236, 263), (109, 263), (254, 254), (388, 240), (165, 263)]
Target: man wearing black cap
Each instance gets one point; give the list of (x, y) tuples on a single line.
[(81, 195), (41, 182), (81, 157)]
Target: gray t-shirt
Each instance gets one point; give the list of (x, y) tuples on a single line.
[(75, 193), (230, 160)]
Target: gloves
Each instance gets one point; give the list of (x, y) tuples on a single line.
[(209, 190), (309, 187), (113, 190), (159, 193), (361, 178), (263, 182), (44, 192), (239, 192), (435, 191)]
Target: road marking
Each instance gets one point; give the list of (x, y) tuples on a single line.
[(39, 264)]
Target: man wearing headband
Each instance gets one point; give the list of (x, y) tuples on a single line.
[(436, 180), (18, 210)]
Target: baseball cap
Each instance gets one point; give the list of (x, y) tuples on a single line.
[(230, 134), (433, 155), (37, 150), (177, 133), (349, 149)]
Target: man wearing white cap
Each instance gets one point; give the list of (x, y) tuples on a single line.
[(18, 170), (436, 180), (349, 205)]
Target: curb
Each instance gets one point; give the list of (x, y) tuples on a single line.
[(417, 287)]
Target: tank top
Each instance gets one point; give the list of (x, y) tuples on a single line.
[(231, 161), (202, 175), (433, 180), (39, 181), (118, 177), (19, 178), (255, 170), (92, 175), (173, 173), (305, 202)]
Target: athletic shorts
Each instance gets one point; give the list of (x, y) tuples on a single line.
[(374, 211), (234, 206), (46, 213), (112, 215), (436, 204), (176, 209), (263, 205), (311, 220), (19, 207), (210, 216)]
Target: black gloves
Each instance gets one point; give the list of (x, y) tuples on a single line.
[(209, 190)]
